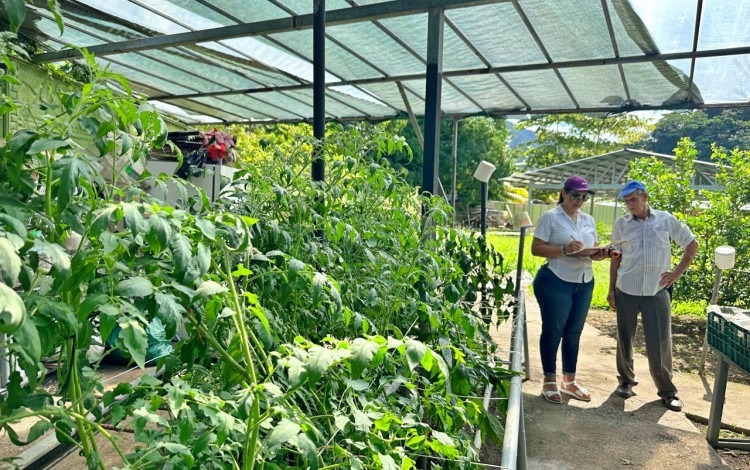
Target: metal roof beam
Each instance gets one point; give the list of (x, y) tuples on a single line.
[(524, 68), (293, 23)]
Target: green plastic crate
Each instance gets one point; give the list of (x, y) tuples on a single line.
[(729, 333)]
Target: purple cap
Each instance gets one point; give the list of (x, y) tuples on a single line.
[(631, 186), (577, 183)]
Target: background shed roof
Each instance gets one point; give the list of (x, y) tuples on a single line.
[(608, 172)]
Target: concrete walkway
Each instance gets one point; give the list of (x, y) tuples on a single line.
[(611, 432)]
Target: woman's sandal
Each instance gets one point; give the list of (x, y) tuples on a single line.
[(552, 396), (580, 393)]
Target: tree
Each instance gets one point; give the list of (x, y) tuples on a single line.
[(566, 137), (479, 138), (727, 128)]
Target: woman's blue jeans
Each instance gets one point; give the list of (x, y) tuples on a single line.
[(564, 306)]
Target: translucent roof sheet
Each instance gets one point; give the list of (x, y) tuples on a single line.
[(499, 57)]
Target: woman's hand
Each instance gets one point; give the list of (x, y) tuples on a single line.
[(599, 255), (573, 246)]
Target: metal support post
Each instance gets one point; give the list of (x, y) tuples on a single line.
[(714, 300), (483, 229), (519, 276)]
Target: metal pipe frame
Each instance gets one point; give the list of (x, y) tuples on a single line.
[(514, 441)]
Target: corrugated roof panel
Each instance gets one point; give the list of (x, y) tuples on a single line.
[(305, 7), (498, 33), (670, 23), (370, 108), (197, 79), (147, 79), (541, 89), (207, 68), (718, 78), (456, 54), (203, 112), (452, 101), (388, 93), (490, 91), (569, 29), (338, 61), (596, 86), (724, 25), (237, 105), (640, 25), (656, 84), (369, 41), (260, 11)]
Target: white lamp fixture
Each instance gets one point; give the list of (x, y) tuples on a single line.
[(484, 171), (724, 257)]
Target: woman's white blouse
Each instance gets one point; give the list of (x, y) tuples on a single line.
[(557, 228)]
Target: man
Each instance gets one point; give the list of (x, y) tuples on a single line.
[(638, 284)]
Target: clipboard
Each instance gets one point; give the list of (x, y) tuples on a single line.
[(587, 251)]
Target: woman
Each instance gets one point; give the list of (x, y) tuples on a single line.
[(564, 285)]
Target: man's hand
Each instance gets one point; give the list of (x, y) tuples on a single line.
[(668, 278), (611, 299)]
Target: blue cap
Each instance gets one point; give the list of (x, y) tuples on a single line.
[(631, 186)]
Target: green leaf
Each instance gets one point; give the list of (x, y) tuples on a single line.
[(38, 430), (362, 353), (203, 258), (296, 371), (10, 262), (170, 311), (52, 253), (14, 224), (284, 431), (159, 233), (208, 288), (135, 340), (100, 222), (16, 11), (54, 7), (387, 462), (134, 287), (89, 304), (321, 359), (133, 218), (206, 227), (27, 343), (45, 145), (182, 253), (308, 450), (415, 351), (72, 170), (340, 420), (12, 310)]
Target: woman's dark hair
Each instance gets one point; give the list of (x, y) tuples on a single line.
[(560, 201)]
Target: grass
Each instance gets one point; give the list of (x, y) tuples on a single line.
[(507, 244)]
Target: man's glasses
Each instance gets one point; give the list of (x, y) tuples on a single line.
[(579, 197)]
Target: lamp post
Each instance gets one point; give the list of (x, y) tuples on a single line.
[(724, 259), (483, 173)]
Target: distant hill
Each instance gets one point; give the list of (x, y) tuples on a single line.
[(519, 137)]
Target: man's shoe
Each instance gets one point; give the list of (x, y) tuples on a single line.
[(673, 403), (624, 390)]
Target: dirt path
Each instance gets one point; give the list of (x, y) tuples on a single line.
[(687, 340)]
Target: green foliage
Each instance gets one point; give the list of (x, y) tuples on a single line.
[(566, 137), (726, 128), (479, 138), (719, 220), (669, 188), (361, 349)]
